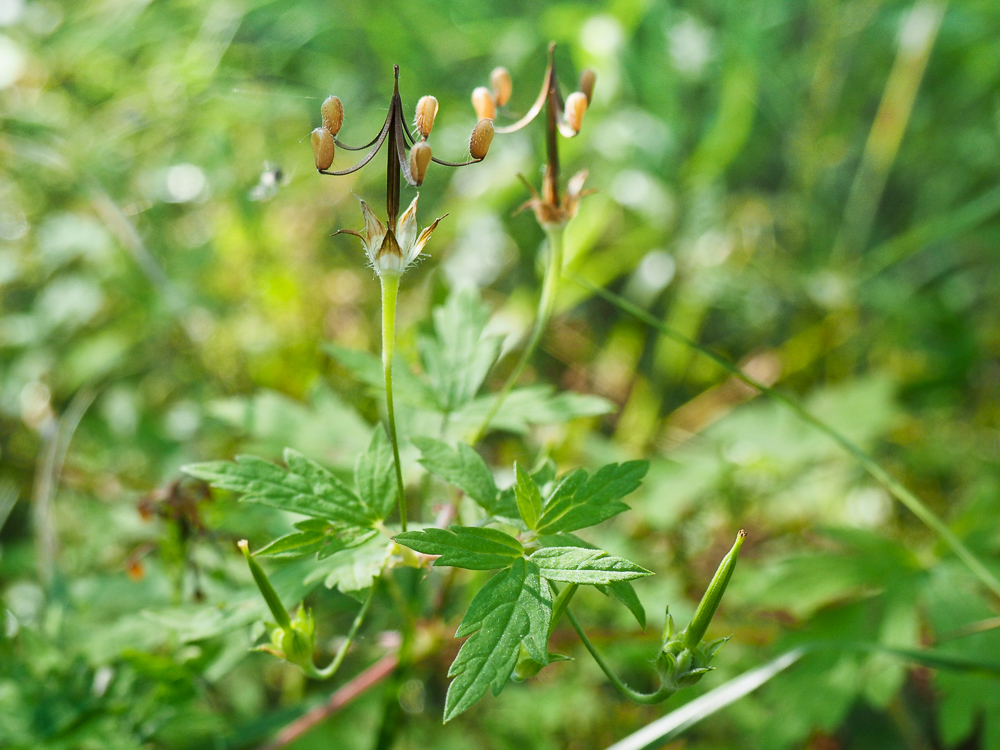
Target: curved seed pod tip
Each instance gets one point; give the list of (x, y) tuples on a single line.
[(323, 148), (587, 80), (332, 112), (482, 137), (482, 101), (427, 109), (576, 106), (502, 85)]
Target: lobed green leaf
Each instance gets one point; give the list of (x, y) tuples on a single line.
[(375, 475), (581, 565), (462, 467), (468, 547), (529, 499), (579, 501)]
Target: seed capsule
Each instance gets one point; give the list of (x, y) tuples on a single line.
[(576, 105), (427, 109), (502, 85), (587, 79), (333, 114), (323, 148), (482, 137), (482, 101), (420, 157)]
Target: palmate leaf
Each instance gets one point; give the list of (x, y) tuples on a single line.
[(579, 501), (514, 607), (458, 357), (464, 468), (580, 565), (529, 499), (375, 475), (468, 547), (304, 487), (353, 569)]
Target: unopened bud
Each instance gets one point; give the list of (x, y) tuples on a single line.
[(502, 85), (713, 595), (587, 79), (332, 112), (420, 157), (482, 137), (323, 148), (427, 109), (482, 101), (576, 105)]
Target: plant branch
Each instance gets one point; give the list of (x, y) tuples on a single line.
[(897, 488), (328, 671), (390, 288)]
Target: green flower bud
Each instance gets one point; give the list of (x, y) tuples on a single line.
[(713, 595), (266, 589)]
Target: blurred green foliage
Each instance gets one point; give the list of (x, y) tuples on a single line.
[(782, 181)]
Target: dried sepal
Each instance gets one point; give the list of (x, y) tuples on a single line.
[(576, 106), (332, 112), (482, 137), (482, 102), (587, 80), (427, 109), (323, 148), (420, 157), (502, 85)]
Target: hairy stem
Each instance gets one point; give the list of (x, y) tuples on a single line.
[(895, 487), (390, 287), (331, 669), (546, 303), (657, 696)]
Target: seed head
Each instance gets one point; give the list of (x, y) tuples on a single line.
[(587, 79), (482, 101), (332, 112), (427, 109), (482, 137), (576, 105), (323, 148), (502, 85), (420, 157)]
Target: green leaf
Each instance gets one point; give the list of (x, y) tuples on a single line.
[(458, 357), (529, 499), (580, 565), (375, 475), (514, 607), (304, 487), (465, 546), (460, 466), (353, 569), (406, 387), (578, 502), (293, 545), (625, 593), (534, 405)]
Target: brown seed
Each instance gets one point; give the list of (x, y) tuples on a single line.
[(587, 79), (502, 85), (323, 148), (576, 105), (427, 109), (482, 137), (333, 114), (420, 157), (482, 100)]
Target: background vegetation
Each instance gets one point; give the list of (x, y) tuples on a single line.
[(809, 187)]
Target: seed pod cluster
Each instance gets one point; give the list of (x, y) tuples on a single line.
[(420, 157), (323, 148), (482, 137), (502, 85), (427, 108), (482, 102), (576, 106)]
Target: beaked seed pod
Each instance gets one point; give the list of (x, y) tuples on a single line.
[(482, 137), (576, 105), (323, 148), (332, 112), (502, 85), (587, 79), (420, 157), (427, 109), (482, 101)]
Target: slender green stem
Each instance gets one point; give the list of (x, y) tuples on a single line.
[(546, 303), (562, 601), (897, 488), (331, 669), (390, 288), (657, 696)]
